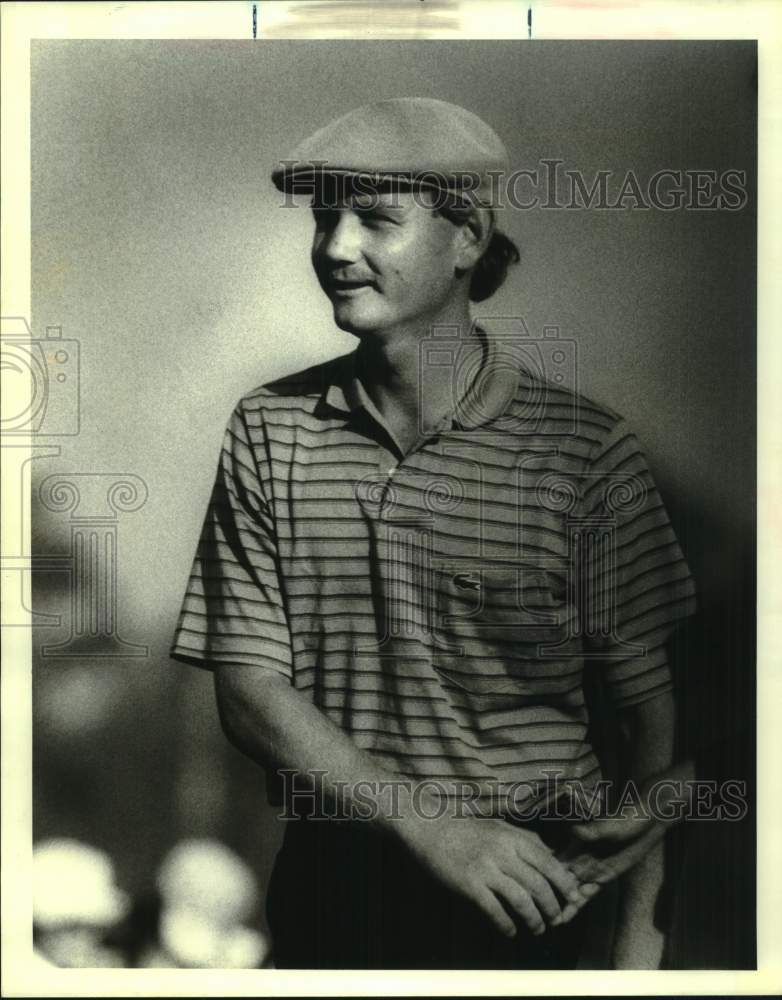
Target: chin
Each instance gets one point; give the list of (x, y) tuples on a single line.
[(355, 323)]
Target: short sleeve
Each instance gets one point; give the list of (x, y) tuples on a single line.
[(233, 610), (636, 585)]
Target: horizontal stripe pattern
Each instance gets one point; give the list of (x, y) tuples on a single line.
[(442, 616)]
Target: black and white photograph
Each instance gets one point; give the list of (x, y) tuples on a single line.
[(391, 456)]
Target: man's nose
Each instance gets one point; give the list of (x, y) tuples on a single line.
[(343, 240)]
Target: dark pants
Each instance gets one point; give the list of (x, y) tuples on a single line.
[(344, 896)]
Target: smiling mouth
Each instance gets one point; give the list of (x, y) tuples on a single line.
[(337, 287)]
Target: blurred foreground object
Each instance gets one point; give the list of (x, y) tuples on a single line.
[(207, 894), (75, 903)]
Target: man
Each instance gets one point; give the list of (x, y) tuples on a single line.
[(409, 555)]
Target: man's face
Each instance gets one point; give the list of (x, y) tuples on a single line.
[(384, 260)]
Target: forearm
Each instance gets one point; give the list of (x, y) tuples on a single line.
[(278, 727), (649, 733), (486, 861)]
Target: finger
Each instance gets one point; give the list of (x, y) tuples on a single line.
[(563, 880), (588, 890), (537, 886), (536, 853), (634, 851), (586, 867), (625, 828), (617, 864), (572, 849), (521, 901), (577, 853), (495, 911), (571, 910)]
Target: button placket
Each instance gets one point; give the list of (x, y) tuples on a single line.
[(386, 489), (392, 467)]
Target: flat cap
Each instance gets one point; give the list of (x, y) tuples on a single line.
[(415, 139)]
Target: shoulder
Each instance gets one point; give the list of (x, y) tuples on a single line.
[(558, 410), (299, 390)]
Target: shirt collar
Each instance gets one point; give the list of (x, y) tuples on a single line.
[(489, 385), (343, 384)]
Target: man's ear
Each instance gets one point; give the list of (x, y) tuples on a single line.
[(473, 237)]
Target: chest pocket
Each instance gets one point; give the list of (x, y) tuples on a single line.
[(505, 629)]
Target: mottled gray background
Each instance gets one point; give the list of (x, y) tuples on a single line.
[(158, 243)]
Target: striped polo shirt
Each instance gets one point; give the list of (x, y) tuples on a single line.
[(440, 606)]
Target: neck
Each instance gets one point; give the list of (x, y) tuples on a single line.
[(388, 360)]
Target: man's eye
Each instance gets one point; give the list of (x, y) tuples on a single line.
[(375, 218)]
